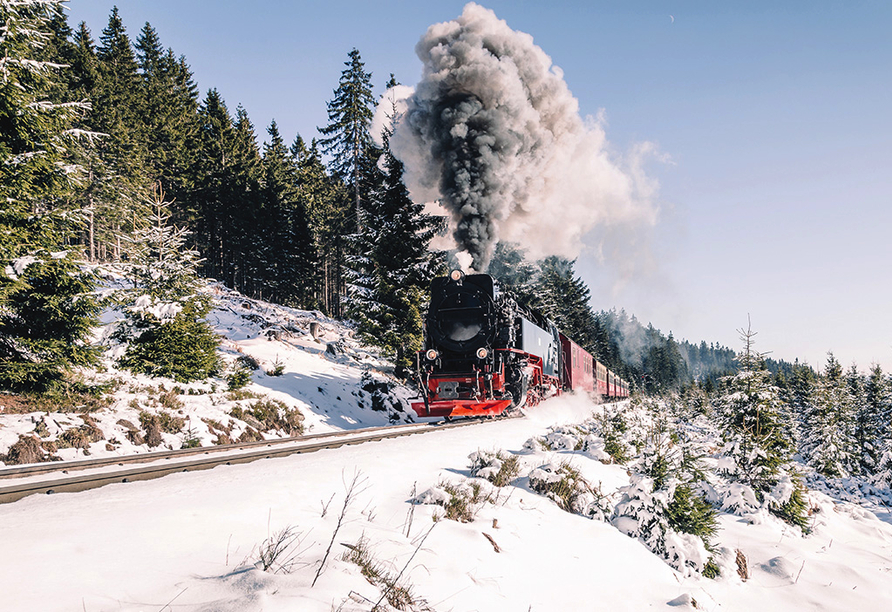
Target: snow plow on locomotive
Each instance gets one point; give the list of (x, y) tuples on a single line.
[(484, 355)]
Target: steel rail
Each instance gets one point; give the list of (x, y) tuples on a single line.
[(271, 448), (82, 464)]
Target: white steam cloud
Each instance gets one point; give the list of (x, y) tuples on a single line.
[(494, 134)]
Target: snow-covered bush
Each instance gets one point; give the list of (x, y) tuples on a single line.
[(271, 415), (613, 427), (579, 438), (460, 501), (497, 467), (565, 485)]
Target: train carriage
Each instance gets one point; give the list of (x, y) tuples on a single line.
[(579, 366), (601, 379)]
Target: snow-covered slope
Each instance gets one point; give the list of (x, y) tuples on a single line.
[(329, 378)]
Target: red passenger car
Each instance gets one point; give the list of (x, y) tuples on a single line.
[(602, 379), (579, 367)]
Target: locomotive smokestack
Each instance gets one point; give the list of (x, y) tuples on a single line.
[(493, 132)]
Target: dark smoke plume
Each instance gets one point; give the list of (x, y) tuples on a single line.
[(493, 132)]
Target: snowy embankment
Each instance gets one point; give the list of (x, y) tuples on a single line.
[(306, 373), (195, 541)]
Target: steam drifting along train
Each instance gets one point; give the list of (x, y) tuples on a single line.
[(484, 354)]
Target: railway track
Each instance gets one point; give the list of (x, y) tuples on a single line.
[(82, 475)]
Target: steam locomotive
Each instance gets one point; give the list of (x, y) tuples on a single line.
[(485, 355)]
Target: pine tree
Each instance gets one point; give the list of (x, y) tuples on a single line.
[(240, 263), (45, 321), (94, 194), (873, 420), (37, 140), (170, 113), (662, 505), (829, 439), (290, 256), (45, 304), (210, 202), (325, 200), (166, 329), (797, 398), (392, 266), (122, 176), (564, 298), (753, 433), (346, 137), (515, 275)]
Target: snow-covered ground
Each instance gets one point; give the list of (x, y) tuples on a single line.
[(192, 541), (197, 541)]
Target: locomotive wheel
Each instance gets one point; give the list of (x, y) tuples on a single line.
[(520, 392)]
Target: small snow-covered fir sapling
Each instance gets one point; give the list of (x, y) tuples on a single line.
[(756, 452), (663, 506), (612, 427), (829, 438), (278, 368), (238, 378), (166, 329)]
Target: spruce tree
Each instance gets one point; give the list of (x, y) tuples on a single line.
[(829, 437), (346, 137), (122, 176), (95, 194), (392, 266), (46, 316), (288, 250), (758, 453), (662, 506), (514, 274), (169, 102), (873, 420), (165, 328), (564, 298), (325, 200), (46, 308), (37, 140), (210, 202), (240, 264)]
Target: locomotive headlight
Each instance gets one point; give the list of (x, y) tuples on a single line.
[(482, 353), (457, 275), (431, 355)]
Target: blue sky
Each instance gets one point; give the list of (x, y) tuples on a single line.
[(776, 191)]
